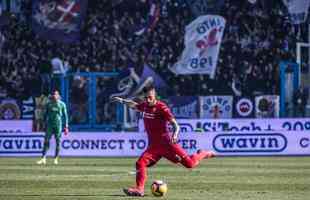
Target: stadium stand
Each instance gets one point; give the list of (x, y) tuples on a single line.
[(250, 53)]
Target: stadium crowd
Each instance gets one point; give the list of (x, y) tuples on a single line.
[(257, 36)]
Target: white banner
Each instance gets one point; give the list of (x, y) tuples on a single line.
[(259, 144), (267, 106), (241, 125), (133, 144), (202, 41), (298, 10), (15, 126), (216, 107)]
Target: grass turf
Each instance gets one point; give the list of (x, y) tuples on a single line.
[(259, 178)]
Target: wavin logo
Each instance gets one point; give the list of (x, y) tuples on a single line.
[(21, 144), (232, 143)]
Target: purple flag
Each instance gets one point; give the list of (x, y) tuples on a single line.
[(58, 20), (148, 73), (151, 21)]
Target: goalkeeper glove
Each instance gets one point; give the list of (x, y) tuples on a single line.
[(66, 130)]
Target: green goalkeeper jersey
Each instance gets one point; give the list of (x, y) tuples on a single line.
[(55, 111)]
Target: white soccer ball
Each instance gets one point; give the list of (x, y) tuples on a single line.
[(159, 188)]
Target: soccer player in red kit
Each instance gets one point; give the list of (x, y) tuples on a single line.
[(156, 115)]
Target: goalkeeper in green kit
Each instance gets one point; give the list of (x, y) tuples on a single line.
[(55, 111)]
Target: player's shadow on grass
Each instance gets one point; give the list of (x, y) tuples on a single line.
[(67, 195), (120, 195), (115, 195), (70, 195)]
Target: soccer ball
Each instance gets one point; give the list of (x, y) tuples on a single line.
[(159, 188)]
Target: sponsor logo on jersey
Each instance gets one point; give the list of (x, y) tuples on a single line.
[(148, 115)]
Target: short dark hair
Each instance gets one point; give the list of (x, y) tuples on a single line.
[(54, 91), (148, 88)]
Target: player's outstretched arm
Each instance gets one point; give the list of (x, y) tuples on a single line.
[(130, 103), (176, 130), (65, 115)]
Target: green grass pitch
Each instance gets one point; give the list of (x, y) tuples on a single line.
[(235, 178)]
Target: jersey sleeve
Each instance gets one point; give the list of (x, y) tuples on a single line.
[(46, 112), (166, 112), (65, 114)]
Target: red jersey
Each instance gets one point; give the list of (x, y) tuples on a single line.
[(155, 120)]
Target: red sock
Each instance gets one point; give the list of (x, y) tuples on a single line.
[(141, 177), (190, 161), (193, 160)]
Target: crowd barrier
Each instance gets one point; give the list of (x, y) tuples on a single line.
[(108, 144)]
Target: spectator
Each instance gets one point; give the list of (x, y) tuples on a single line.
[(45, 73), (39, 123), (257, 36), (300, 99), (58, 66)]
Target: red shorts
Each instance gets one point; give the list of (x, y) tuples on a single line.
[(154, 153)]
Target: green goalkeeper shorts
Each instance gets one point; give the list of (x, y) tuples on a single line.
[(56, 130)]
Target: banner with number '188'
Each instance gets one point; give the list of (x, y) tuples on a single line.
[(202, 41)]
